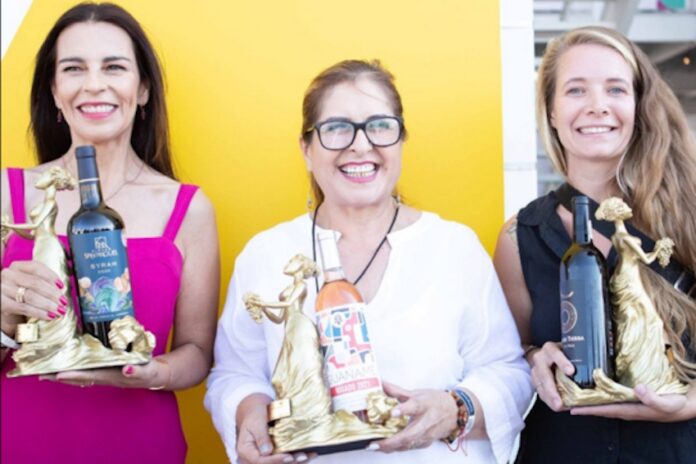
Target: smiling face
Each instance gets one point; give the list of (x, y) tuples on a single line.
[(97, 85), (593, 108), (360, 175)]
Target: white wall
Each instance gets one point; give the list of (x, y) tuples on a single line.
[(13, 12), (519, 127)]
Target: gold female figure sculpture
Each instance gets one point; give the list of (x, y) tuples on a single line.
[(640, 342), (298, 371), (308, 423), (640, 338), (49, 251), (56, 345)]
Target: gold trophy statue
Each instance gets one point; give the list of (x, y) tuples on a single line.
[(301, 416), (640, 340), (56, 345)]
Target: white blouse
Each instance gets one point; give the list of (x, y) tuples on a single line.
[(438, 320)]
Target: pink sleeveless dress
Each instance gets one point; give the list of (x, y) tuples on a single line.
[(45, 422)]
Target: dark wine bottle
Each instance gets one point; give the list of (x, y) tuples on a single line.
[(586, 326), (100, 260)]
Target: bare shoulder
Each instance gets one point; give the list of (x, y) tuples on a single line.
[(507, 238), (507, 254), (201, 207), (200, 217), (508, 265)]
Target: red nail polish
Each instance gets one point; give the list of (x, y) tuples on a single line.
[(61, 310), (63, 301), (129, 370), (59, 283), (51, 315)]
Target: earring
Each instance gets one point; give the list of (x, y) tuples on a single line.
[(59, 116), (142, 112)]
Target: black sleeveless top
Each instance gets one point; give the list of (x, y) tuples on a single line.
[(551, 437)]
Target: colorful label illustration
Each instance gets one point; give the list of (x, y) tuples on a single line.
[(349, 363), (101, 265)]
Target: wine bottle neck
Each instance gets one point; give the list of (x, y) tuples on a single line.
[(90, 187), (582, 226), (330, 258), (332, 275)]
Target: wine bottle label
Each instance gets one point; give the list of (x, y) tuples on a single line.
[(101, 266), (573, 324), (349, 363)]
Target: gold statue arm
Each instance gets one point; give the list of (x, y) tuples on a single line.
[(21, 229), (267, 307), (256, 306), (662, 251)]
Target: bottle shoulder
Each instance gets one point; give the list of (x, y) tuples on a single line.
[(337, 293), (93, 220), (585, 252)]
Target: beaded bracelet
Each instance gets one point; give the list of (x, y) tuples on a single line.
[(465, 419)]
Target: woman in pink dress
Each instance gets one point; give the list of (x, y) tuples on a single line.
[(98, 82)]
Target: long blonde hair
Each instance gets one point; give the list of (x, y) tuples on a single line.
[(657, 173)]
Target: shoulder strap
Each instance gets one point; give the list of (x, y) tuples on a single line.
[(183, 200), (16, 178), (678, 275)]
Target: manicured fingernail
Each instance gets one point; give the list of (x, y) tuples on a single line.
[(63, 301), (288, 459), (301, 458), (396, 412), (52, 315), (59, 283), (61, 310), (372, 447), (640, 389), (129, 370), (265, 448)]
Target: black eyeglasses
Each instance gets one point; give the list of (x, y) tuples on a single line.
[(339, 133)]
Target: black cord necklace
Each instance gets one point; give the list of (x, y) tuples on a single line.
[(374, 255)]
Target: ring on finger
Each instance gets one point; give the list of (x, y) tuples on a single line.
[(19, 296)]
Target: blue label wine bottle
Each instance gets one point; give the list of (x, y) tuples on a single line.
[(586, 326), (100, 260)]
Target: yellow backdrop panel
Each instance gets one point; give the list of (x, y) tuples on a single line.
[(236, 72)]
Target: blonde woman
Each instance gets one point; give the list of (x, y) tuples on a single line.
[(612, 127)]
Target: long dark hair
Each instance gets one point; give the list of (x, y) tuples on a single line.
[(150, 137)]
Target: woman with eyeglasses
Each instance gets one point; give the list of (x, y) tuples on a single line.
[(436, 313), (612, 127)]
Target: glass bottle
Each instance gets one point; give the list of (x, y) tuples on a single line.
[(586, 326), (349, 363), (100, 261)]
